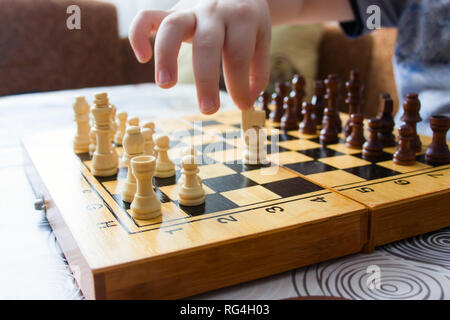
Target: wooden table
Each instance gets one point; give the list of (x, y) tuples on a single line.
[(32, 266)]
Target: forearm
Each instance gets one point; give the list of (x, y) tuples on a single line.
[(309, 11)]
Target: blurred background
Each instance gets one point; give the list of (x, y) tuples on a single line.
[(39, 53)]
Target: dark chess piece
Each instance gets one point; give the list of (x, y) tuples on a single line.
[(411, 107), (332, 83), (319, 102), (330, 130), (298, 93), (264, 100), (386, 133), (405, 155), (277, 112), (354, 91), (356, 139), (308, 126), (438, 152), (373, 148), (289, 119)]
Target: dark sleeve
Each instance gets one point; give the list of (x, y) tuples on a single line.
[(390, 12)]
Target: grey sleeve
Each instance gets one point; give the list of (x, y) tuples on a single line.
[(390, 12)]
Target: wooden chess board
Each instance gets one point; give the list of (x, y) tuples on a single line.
[(310, 204)]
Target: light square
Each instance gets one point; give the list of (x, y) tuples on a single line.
[(288, 157), (200, 139), (403, 169), (250, 195), (344, 161), (298, 134), (114, 187), (334, 177), (341, 147), (228, 155), (215, 170), (269, 174), (297, 145)]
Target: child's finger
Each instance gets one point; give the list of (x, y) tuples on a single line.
[(206, 50), (238, 51), (172, 32), (260, 64), (146, 22)]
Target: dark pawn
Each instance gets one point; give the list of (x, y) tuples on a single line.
[(277, 112), (332, 83), (264, 100), (330, 130), (308, 126), (438, 152), (289, 119), (411, 107), (356, 139), (318, 101), (386, 133), (373, 148), (298, 93), (405, 155), (354, 88)]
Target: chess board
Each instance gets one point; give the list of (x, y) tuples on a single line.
[(309, 204)]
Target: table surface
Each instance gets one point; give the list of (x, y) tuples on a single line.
[(33, 267)]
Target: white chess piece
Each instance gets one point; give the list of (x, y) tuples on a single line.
[(252, 123), (82, 138), (104, 160), (189, 151), (149, 144), (122, 117), (165, 168), (146, 204), (133, 145), (190, 192), (134, 121)]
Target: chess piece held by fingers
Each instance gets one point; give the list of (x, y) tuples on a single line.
[(146, 204), (82, 138), (438, 152), (356, 139), (405, 155), (104, 160), (373, 148), (190, 192), (165, 168), (133, 145)]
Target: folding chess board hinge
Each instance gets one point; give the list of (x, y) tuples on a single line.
[(39, 203)]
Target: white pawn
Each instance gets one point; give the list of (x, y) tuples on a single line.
[(149, 148), (118, 137), (189, 151), (133, 121), (146, 204), (82, 140), (190, 192), (133, 145), (165, 168)]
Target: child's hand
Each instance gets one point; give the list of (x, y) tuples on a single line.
[(236, 30)]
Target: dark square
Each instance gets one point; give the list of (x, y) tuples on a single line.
[(383, 157), (291, 187), (120, 202), (310, 167), (319, 153), (275, 148), (213, 203), (229, 182), (239, 166), (421, 158), (163, 182), (107, 179), (371, 172), (162, 196), (236, 125)]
